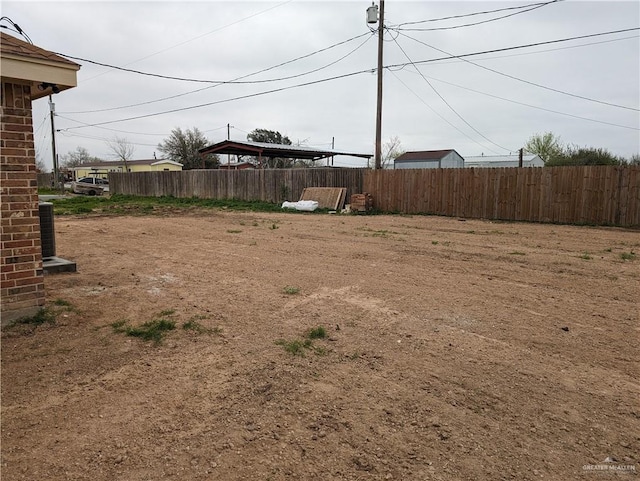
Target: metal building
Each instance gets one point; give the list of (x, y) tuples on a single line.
[(430, 159)]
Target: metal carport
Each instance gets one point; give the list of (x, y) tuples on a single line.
[(266, 150)]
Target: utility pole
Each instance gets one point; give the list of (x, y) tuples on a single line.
[(56, 173), (229, 138), (379, 102), (520, 155)]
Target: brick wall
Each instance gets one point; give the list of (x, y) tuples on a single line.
[(21, 277)]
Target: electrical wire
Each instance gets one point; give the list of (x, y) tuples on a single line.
[(17, 29), (91, 137), (472, 14), (106, 128), (217, 102), (475, 23), (10, 29), (523, 80), (217, 128), (217, 82), (550, 49), (43, 139), (44, 119), (351, 74), (199, 36), (528, 45), (448, 104), (231, 81), (440, 115), (533, 106)]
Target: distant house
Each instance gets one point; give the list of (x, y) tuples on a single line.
[(429, 159), (102, 169), (529, 160)]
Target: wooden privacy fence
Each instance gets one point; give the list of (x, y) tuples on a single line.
[(603, 195), (45, 179), (269, 185)]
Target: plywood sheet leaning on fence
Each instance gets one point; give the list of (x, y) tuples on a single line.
[(327, 197)]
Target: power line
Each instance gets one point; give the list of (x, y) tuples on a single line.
[(16, 28), (43, 139), (230, 81), (44, 119), (199, 36), (241, 97), (473, 14), (337, 77), (318, 51), (439, 115), (554, 49), (213, 130), (448, 104), (523, 80), (107, 128), (474, 23), (218, 82), (506, 49), (534, 106), (91, 137)]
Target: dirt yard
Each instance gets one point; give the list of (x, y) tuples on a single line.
[(455, 350)]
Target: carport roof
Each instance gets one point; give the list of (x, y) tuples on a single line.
[(263, 149)]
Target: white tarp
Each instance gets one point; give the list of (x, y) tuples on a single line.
[(306, 205)]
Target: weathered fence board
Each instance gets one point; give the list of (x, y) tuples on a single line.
[(45, 179), (602, 195), (270, 185)]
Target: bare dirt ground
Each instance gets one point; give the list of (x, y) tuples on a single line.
[(446, 357)]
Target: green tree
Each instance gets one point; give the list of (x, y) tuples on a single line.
[(182, 146), (272, 137), (268, 136), (77, 157), (574, 155), (547, 146)]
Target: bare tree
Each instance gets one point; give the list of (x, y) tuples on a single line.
[(633, 160), (391, 150), (122, 150), (77, 157), (40, 165)]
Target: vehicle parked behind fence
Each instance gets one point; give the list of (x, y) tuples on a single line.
[(90, 186)]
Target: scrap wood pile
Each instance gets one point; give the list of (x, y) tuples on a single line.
[(361, 202)]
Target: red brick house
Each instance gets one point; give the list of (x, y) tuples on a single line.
[(27, 73)]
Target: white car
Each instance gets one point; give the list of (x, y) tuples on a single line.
[(90, 186)]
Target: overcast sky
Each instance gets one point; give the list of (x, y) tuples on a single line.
[(221, 41)]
